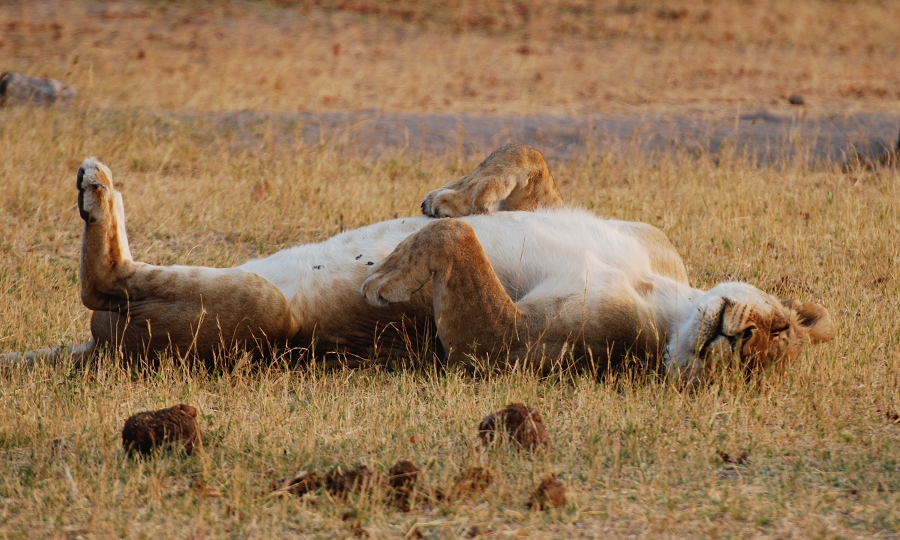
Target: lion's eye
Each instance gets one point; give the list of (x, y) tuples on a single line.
[(748, 333)]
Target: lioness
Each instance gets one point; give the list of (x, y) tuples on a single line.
[(501, 269)]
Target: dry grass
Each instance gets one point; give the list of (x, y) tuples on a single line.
[(564, 57), (637, 456)]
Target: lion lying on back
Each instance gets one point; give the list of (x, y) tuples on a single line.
[(498, 266)]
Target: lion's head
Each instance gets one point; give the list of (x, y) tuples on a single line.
[(737, 320)]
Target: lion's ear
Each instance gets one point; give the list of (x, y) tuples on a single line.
[(814, 318)]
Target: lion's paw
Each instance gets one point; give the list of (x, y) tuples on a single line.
[(95, 189), (444, 202), (384, 286)]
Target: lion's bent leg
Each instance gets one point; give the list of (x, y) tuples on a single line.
[(473, 312), (514, 177)]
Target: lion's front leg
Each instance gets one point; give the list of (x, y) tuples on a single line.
[(474, 315), (514, 177)]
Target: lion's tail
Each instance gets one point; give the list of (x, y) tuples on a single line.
[(77, 354)]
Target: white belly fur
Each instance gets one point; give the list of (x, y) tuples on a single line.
[(538, 256)]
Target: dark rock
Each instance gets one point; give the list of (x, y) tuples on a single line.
[(176, 426), (795, 99)]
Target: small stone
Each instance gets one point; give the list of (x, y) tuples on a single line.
[(550, 493), (174, 426), (20, 89), (795, 99), (523, 424)]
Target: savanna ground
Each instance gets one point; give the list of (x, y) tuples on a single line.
[(638, 457)]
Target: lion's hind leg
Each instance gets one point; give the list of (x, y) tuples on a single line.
[(140, 309), (514, 177), (474, 314), (196, 311), (106, 261)]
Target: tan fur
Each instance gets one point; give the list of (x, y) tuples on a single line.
[(438, 272), (663, 256), (474, 315), (759, 336), (477, 319)]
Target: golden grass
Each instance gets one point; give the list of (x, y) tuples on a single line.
[(637, 456), (563, 57)]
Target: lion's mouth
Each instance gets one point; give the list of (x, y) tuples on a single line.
[(713, 331)]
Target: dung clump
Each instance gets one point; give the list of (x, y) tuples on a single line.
[(402, 478), (471, 481), (306, 482), (175, 426), (550, 493), (522, 423), (341, 483)]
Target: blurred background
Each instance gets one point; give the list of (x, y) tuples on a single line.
[(405, 72)]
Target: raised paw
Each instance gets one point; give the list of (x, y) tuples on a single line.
[(444, 202), (514, 177), (95, 190)]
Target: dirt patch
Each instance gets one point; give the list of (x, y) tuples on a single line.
[(760, 136)]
